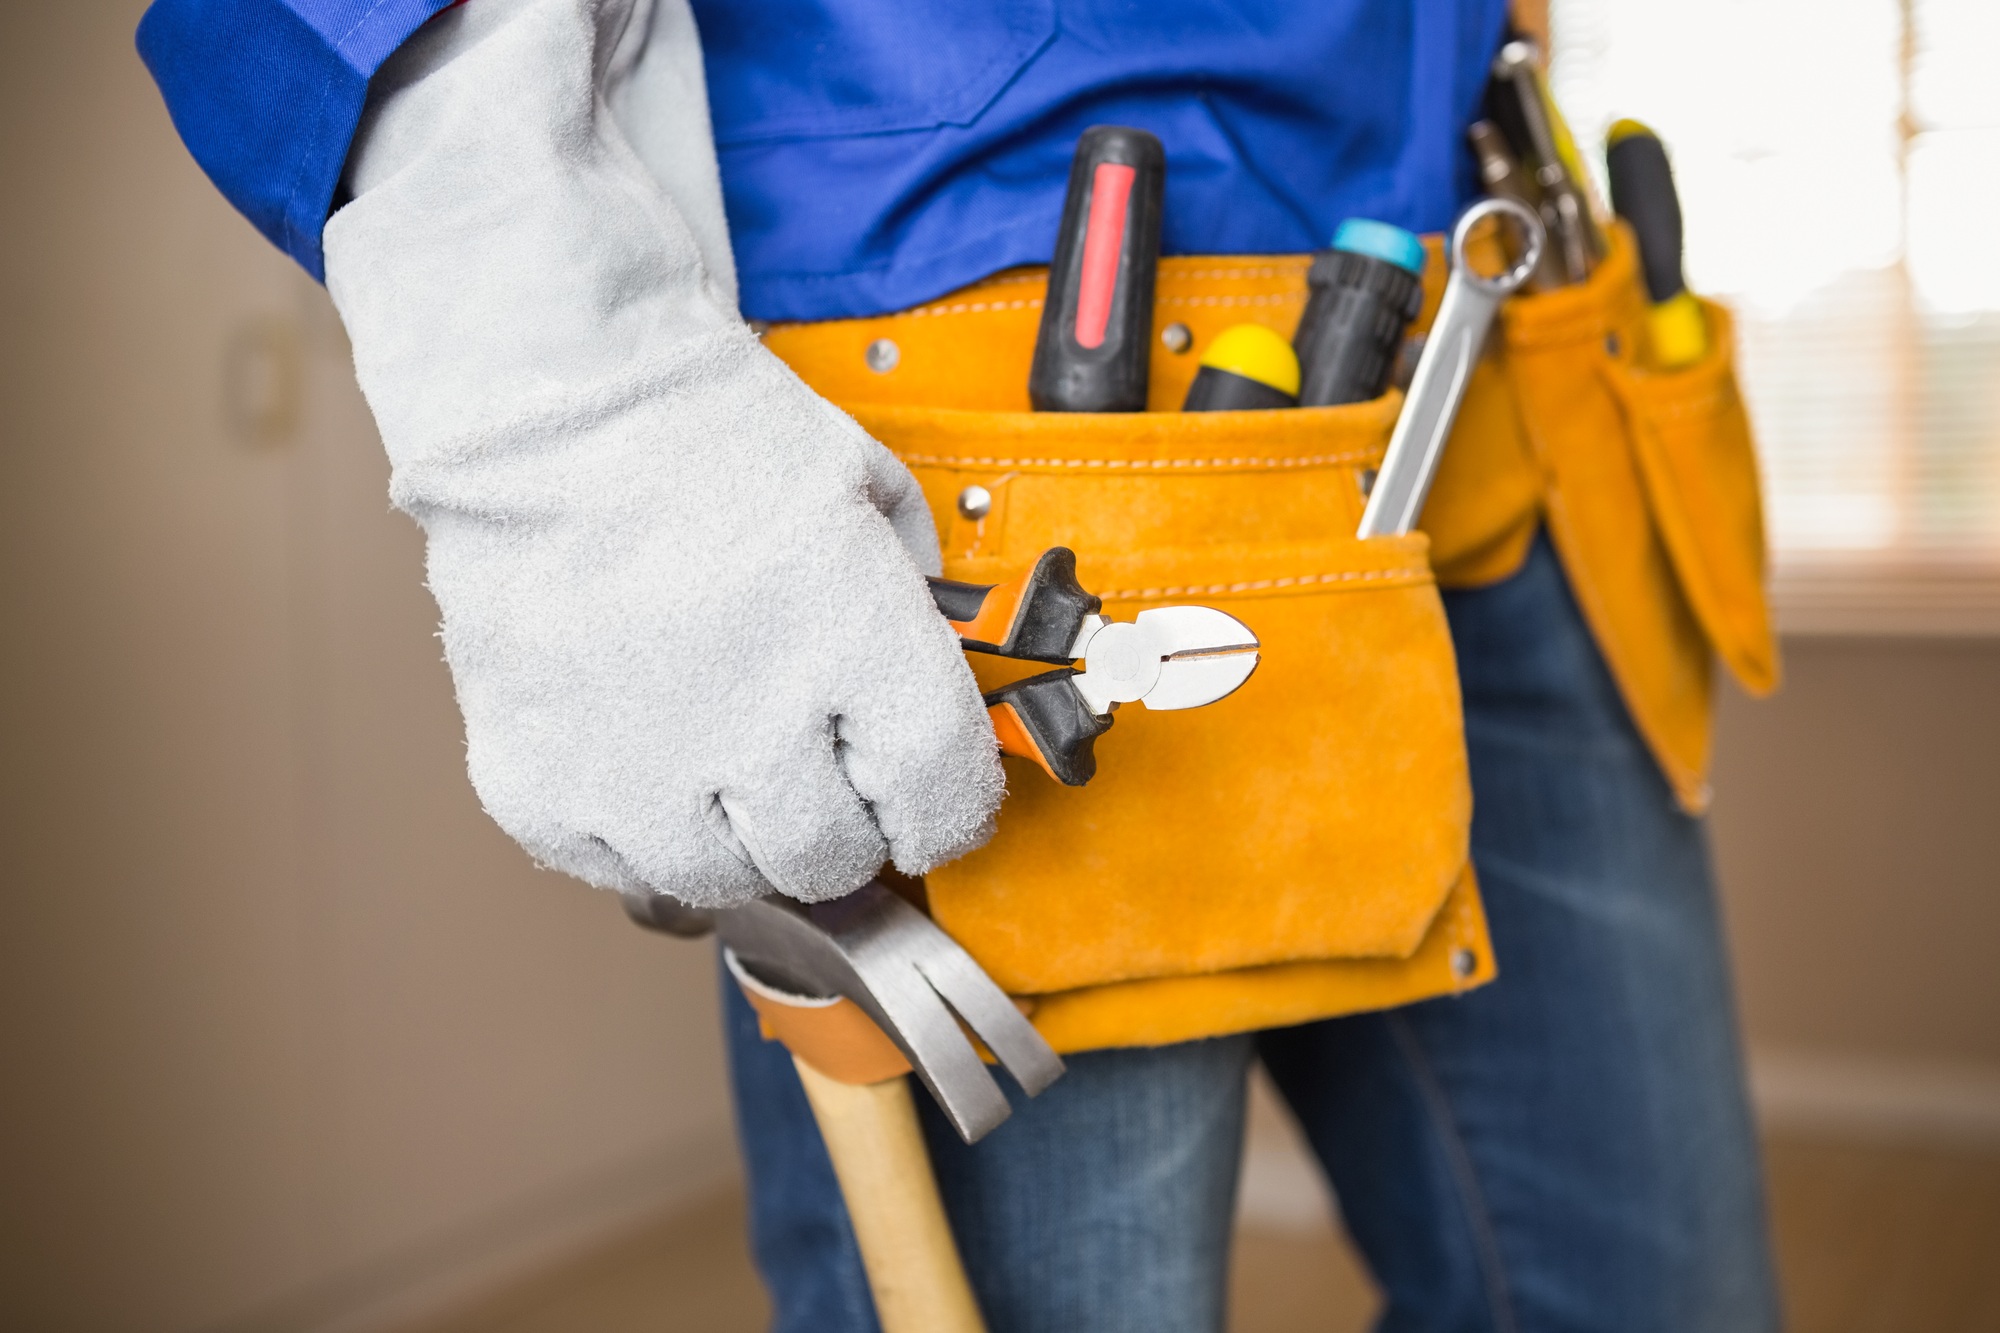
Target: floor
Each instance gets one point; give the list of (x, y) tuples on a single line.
[(1871, 1239)]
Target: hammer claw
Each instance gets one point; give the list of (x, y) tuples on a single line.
[(1021, 1050), (905, 1007), (910, 978)]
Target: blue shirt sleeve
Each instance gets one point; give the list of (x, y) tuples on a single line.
[(267, 94)]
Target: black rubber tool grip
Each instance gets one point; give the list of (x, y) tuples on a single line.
[(1035, 617), (1043, 718), (1642, 192), (1216, 390), (1353, 326), (1094, 350)]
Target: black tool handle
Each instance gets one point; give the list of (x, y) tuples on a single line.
[(1353, 325), (1044, 718), (1642, 192), (1216, 390), (1036, 616), (1094, 350)]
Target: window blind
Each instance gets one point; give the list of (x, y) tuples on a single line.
[(1839, 167)]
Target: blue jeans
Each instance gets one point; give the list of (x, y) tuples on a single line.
[(1568, 1148)]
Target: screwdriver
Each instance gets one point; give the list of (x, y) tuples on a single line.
[(1642, 192), (1364, 293), (1094, 349), (1247, 368)]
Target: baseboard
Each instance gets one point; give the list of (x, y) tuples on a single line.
[(1923, 1103), (535, 1233)]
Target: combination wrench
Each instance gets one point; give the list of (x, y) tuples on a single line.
[(1457, 336)]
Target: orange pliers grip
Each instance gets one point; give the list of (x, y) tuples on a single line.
[(1036, 617)]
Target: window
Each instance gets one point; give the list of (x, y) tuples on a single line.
[(1839, 166)]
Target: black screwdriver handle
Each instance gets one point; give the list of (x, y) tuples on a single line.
[(1642, 192), (1094, 350)]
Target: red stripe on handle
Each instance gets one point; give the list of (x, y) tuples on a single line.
[(1103, 240)]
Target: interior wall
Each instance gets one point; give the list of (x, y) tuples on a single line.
[(1857, 839), (287, 1027)]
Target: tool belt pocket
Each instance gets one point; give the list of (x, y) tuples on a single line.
[(1322, 811), (1646, 480), (1691, 439)]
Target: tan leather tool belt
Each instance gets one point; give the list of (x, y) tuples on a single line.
[(1300, 849)]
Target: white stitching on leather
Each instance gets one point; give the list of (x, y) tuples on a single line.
[(1259, 585), (1286, 298), (956, 460), (973, 307), (1256, 271)]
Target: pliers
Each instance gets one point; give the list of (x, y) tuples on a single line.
[(1167, 657)]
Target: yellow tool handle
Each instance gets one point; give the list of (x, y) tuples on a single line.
[(878, 1153)]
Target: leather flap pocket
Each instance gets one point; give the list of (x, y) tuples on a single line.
[(1691, 437), (1321, 811)]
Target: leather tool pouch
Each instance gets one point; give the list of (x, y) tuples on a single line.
[(1296, 850), (1299, 849), (1647, 482)]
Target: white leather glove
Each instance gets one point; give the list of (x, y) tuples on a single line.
[(683, 595)]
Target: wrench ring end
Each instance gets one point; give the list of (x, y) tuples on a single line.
[(1508, 282)]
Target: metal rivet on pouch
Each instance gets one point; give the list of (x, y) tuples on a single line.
[(882, 356), (1177, 337), (1464, 962), (975, 502)]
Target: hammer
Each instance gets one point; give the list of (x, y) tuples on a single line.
[(918, 986)]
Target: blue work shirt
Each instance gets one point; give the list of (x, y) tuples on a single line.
[(878, 153)]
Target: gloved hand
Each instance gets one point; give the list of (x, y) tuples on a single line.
[(683, 596)]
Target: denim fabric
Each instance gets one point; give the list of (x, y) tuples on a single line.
[(1568, 1148), (1102, 1205), (800, 1237)]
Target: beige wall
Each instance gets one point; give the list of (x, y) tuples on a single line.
[(289, 1034), (1857, 834), (285, 1024)]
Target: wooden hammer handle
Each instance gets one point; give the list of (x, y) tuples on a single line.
[(878, 1153)]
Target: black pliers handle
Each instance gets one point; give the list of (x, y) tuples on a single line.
[(1170, 657), (1041, 616)]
